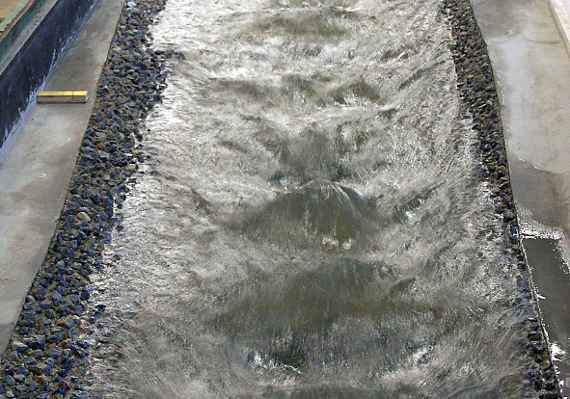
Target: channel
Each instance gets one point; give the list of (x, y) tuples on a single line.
[(311, 222)]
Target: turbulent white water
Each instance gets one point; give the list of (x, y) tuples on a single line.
[(312, 225)]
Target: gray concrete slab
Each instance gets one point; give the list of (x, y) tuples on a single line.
[(37, 162), (532, 71)]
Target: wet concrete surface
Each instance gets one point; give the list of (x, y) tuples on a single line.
[(532, 70), (552, 281), (37, 161)]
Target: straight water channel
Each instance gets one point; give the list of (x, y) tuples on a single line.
[(312, 225)]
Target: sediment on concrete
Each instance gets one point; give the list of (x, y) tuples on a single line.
[(25, 66), (480, 103), (49, 353)]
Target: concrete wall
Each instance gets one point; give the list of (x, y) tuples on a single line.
[(30, 49)]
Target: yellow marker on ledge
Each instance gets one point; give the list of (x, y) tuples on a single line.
[(62, 97)]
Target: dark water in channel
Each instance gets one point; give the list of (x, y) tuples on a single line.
[(311, 226)]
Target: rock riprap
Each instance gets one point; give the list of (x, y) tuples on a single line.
[(49, 352), (481, 105)]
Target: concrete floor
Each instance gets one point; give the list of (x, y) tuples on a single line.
[(37, 162), (532, 69)]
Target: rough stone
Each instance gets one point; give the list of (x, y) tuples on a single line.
[(476, 84), (49, 353)]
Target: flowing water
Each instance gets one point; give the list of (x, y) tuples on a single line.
[(312, 224)]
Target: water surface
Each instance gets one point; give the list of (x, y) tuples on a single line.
[(311, 224)]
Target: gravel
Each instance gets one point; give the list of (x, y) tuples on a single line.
[(50, 349), (480, 103)]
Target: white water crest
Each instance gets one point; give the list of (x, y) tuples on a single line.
[(311, 224)]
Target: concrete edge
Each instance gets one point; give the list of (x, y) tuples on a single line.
[(561, 13)]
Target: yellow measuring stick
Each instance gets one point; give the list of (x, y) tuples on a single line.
[(62, 97)]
